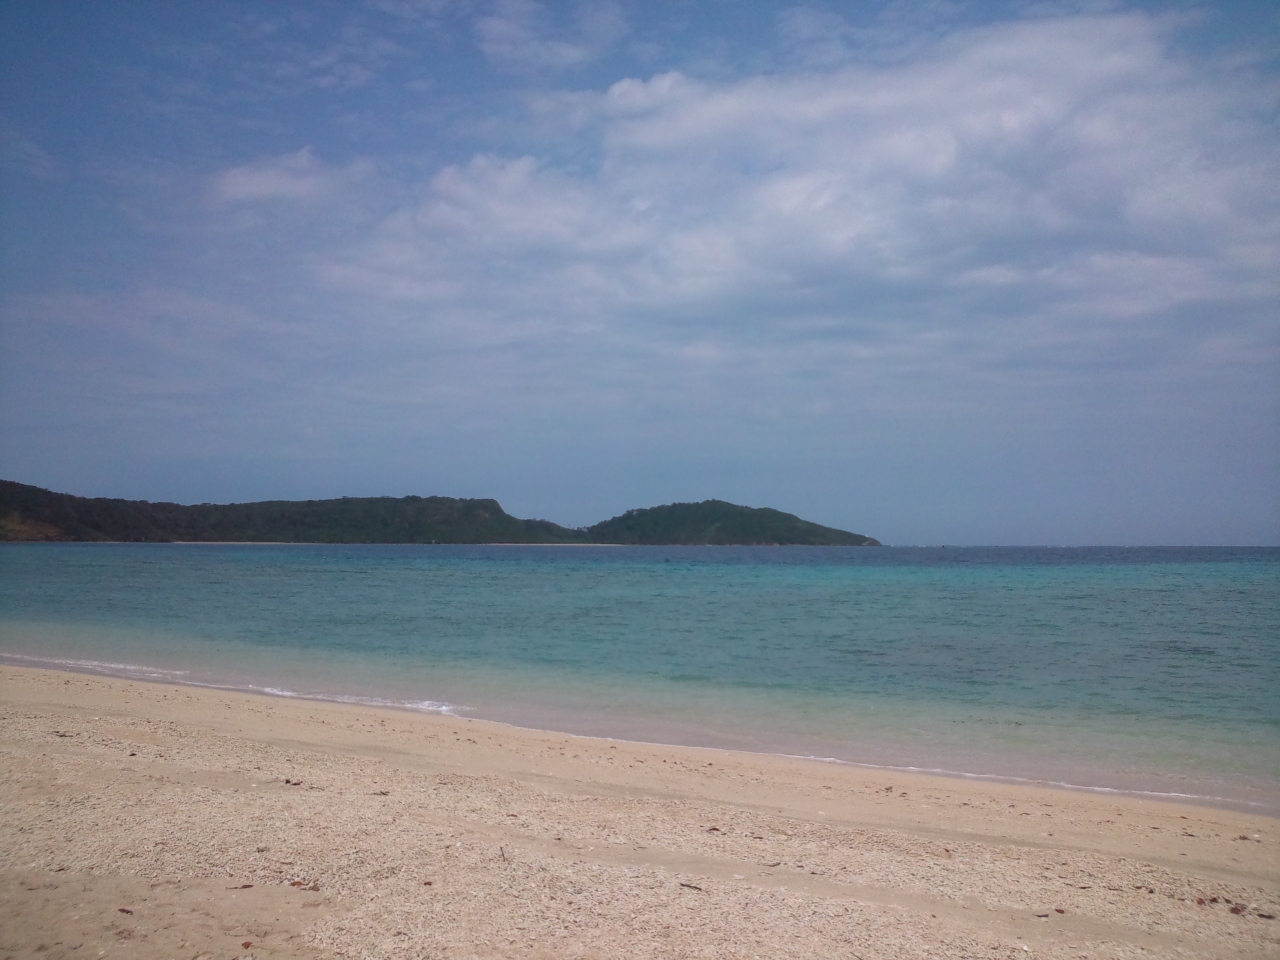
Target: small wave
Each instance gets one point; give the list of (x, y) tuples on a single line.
[(135, 671), (425, 706), (1035, 781), (422, 706), (101, 666)]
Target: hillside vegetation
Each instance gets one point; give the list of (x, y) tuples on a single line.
[(718, 522), (30, 513)]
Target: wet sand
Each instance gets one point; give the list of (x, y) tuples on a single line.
[(154, 821)]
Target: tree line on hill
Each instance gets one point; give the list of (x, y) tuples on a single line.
[(29, 513)]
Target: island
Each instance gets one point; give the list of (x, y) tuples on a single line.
[(30, 513)]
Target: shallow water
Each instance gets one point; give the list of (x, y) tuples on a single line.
[(1139, 669)]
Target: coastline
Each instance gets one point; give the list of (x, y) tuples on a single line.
[(1250, 799), (414, 832)]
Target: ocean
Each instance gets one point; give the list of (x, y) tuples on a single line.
[(1146, 670)]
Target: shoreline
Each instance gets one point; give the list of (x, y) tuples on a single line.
[(311, 828), (158, 675)]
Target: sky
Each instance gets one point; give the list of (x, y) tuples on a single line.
[(935, 272)]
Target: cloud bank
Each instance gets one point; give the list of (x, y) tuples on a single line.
[(1011, 281), (1055, 198)]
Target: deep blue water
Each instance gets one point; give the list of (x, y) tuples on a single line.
[(1143, 668)]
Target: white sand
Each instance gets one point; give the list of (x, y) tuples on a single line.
[(379, 833)]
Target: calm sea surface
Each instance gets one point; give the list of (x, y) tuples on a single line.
[(1154, 669)]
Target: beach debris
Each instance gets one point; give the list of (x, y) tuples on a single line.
[(124, 910), (297, 883), (1058, 910), (713, 829), (691, 886), (293, 783), (1267, 916), (503, 854), (382, 793), (1042, 916), (426, 883), (243, 886), (1237, 909), (245, 945)]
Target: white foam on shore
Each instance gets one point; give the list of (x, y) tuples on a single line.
[(426, 706), (1036, 782), (135, 671), (106, 667), (1211, 800)]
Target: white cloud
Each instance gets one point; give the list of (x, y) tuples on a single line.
[(899, 28), (414, 10), (23, 155), (817, 37), (298, 177), (1012, 192), (519, 34)]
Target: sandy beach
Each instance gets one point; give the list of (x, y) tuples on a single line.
[(153, 821)]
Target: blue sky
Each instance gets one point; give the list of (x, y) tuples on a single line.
[(938, 272)]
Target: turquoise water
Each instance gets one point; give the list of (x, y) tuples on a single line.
[(1136, 669)]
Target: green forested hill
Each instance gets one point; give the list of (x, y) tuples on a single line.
[(718, 522), (32, 513)]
